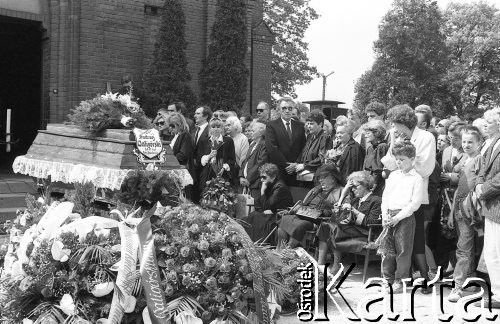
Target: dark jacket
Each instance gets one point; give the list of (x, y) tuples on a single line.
[(489, 177), (225, 155), (276, 196), (254, 160), (351, 160), (313, 153), (202, 147), (183, 149), (370, 208), (279, 147)]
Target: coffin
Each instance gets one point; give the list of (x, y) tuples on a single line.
[(67, 154)]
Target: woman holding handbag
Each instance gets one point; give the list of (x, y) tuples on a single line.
[(318, 203)]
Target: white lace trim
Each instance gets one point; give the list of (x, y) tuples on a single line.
[(69, 173)]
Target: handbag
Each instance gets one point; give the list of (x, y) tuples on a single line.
[(308, 213), (244, 202)]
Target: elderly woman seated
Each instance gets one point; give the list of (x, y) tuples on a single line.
[(320, 200), (350, 235), (274, 195)]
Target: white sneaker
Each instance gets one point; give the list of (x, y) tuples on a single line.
[(455, 295)]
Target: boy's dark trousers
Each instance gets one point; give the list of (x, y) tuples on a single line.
[(398, 267)]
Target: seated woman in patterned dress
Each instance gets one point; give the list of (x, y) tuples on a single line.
[(323, 197), (351, 234)]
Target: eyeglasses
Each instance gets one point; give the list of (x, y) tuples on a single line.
[(260, 110), (171, 125), (289, 108), (216, 115), (160, 123), (263, 177)]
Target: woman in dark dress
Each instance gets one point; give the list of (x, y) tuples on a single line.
[(323, 197), (181, 144), (347, 154), (222, 159), (351, 234), (274, 195), (375, 133)]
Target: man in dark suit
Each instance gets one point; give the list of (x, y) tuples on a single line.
[(285, 139), (201, 146), (488, 190), (180, 107)]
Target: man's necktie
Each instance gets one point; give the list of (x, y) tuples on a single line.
[(289, 131), (196, 135)]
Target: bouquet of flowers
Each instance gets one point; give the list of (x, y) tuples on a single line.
[(108, 110), (218, 195)]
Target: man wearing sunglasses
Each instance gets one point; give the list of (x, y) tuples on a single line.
[(285, 139), (263, 112)]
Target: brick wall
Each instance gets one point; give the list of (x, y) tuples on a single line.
[(88, 43)]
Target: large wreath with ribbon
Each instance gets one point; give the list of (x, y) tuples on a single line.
[(183, 264)]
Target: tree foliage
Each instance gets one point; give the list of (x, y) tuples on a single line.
[(473, 37), (223, 78), (289, 20), (167, 78), (411, 59)]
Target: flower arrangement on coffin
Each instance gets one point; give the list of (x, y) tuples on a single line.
[(104, 111)]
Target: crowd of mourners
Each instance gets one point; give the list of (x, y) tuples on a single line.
[(429, 186)]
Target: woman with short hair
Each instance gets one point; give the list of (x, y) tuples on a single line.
[(375, 134), (257, 155), (274, 195), (491, 129), (234, 129), (317, 143), (347, 154)]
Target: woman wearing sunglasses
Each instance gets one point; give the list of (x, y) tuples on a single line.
[(274, 195), (181, 143)]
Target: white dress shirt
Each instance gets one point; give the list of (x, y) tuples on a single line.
[(202, 129), (402, 191), (425, 159)]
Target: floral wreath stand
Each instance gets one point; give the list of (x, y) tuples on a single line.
[(66, 154)]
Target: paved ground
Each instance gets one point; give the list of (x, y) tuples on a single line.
[(426, 306)]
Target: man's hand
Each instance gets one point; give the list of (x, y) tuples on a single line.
[(290, 168), (244, 182)]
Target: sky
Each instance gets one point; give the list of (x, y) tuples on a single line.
[(341, 40)]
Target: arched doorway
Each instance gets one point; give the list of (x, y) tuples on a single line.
[(20, 84)]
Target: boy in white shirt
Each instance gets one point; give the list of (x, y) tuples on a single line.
[(401, 198)]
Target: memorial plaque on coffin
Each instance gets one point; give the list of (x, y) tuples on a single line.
[(68, 154)]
